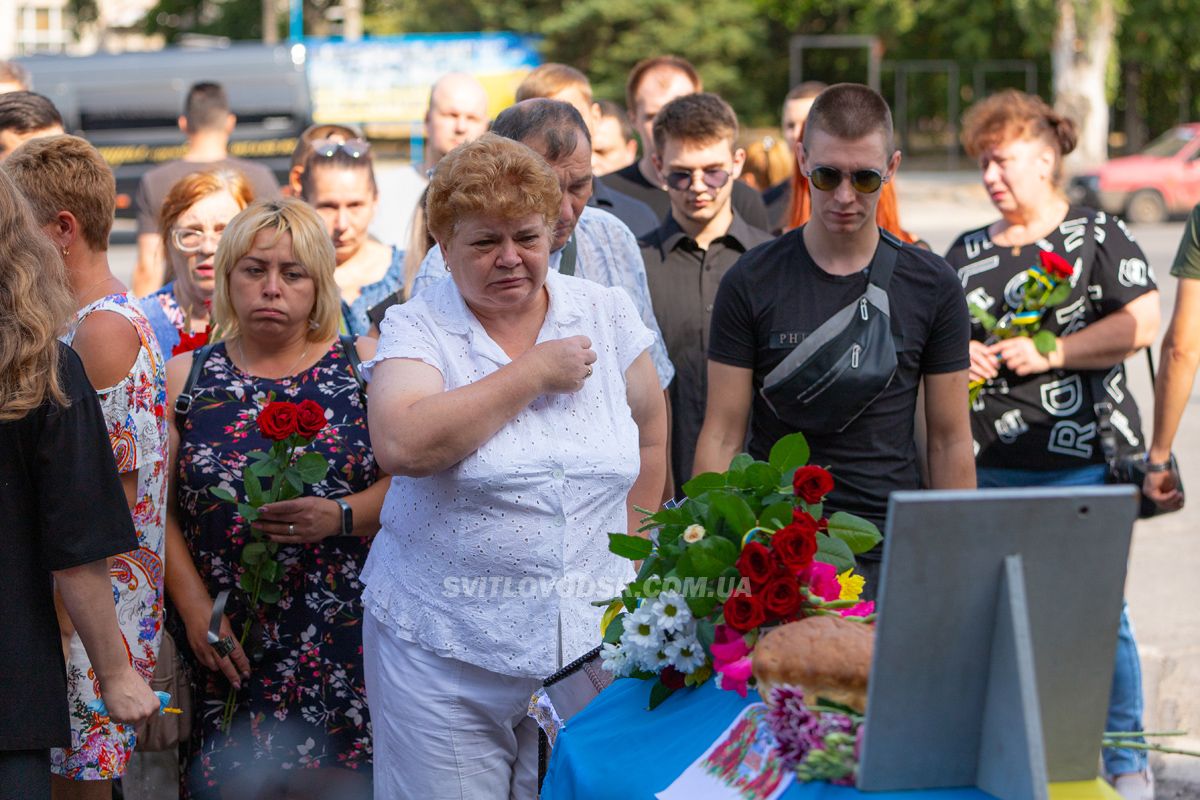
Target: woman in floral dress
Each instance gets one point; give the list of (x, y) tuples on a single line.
[(300, 725), (71, 190)]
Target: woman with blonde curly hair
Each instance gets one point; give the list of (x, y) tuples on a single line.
[(300, 727), (55, 471)]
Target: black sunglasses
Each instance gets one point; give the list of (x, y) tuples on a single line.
[(681, 180), (864, 181), (355, 148)]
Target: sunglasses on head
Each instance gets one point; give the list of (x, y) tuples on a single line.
[(681, 180), (355, 148), (864, 181)]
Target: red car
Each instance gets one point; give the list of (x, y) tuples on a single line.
[(1162, 180)]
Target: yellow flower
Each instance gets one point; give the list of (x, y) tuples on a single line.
[(693, 534), (852, 585)]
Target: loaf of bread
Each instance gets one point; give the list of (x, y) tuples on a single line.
[(827, 657)]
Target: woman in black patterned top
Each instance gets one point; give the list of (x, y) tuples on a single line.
[(1034, 421)]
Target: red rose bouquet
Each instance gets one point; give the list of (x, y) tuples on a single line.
[(290, 427), (749, 549)]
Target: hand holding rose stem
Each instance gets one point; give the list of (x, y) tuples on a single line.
[(290, 427)]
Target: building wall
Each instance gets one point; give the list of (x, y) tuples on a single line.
[(47, 26)]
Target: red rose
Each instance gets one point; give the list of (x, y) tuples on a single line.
[(744, 612), (672, 678), (189, 342), (310, 419), (755, 564), (812, 483), (782, 597), (804, 520), (277, 421), (796, 544), (1056, 266)]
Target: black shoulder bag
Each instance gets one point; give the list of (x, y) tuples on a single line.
[(1126, 463), (839, 369)]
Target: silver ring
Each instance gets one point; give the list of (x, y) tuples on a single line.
[(291, 529), (225, 646)]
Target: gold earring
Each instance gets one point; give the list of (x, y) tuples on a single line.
[(66, 252)]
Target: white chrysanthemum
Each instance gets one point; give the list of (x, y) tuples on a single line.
[(659, 659), (615, 659), (693, 533), (686, 654), (641, 629), (671, 611)]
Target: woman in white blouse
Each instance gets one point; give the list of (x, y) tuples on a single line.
[(522, 416)]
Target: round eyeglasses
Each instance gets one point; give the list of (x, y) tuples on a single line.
[(681, 180), (864, 181), (191, 240)]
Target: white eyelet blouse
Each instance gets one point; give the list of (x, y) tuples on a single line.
[(496, 560)]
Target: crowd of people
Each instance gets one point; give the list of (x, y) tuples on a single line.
[(561, 315)]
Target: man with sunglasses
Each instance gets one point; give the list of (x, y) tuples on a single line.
[(688, 254), (208, 124), (782, 291)]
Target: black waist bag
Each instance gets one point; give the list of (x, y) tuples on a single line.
[(844, 365)]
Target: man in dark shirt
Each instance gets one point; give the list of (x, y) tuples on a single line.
[(652, 84), (784, 290), (686, 257), (208, 123), (569, 85)]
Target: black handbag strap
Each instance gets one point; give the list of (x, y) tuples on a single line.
[(183, 403)]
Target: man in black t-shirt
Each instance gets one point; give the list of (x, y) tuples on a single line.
[(781, 291)]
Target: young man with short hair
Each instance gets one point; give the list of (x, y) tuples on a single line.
[(686, 257), (24, 116), (652, 84), (568, 85), (208, 124), (783, 291)]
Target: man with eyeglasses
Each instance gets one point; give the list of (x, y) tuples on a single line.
[(208, 124), (688, 254), (652, 83), (780, 292)]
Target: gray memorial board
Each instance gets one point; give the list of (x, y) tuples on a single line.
[(943, 585)]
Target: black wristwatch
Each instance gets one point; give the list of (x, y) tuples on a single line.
[(347, 516)]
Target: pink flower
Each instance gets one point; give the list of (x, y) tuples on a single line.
[(822, 581), (861, 610), (735, 674), (728, 645)]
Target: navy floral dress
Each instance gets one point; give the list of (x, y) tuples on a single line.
[(304, 705)]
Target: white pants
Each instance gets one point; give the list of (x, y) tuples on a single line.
[(445, 729)]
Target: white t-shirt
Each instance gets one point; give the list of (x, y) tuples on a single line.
[(399, 192), (496, 560)]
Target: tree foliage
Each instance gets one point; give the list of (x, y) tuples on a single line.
[(741, 46)]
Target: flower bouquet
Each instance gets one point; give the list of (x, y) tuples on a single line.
[(1046, 284), (750, 549), (290, 427)]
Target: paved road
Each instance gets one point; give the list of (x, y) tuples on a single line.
[(1163, 586)]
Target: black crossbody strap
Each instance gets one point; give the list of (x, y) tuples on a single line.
[(884, 262), (183, 403), (355, 362)]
